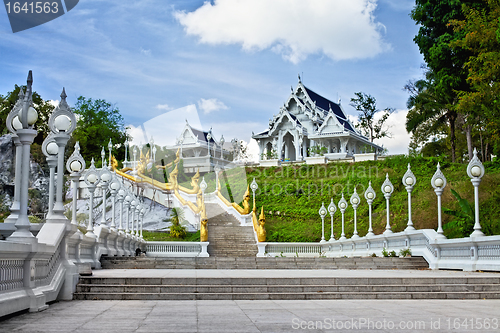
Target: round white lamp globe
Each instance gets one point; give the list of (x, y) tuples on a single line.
[(409, 181), (438, 182), (62, 123), (106, 177), (369, 195), (342, 205), (52, 148), (355, 200), (387, 189), (475, 171), (92, 178), (75, 166), (16, 123)]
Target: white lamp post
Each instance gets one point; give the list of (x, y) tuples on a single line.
[(322, 213), (13, 118), (143, 212), (50, 150), (181, 140), (342, 207), (222, 147), (134, 172), (110, 146), (133, 204), (62, 123), (331, 209), (75, 166), (91, 178), (127, 200), (103, 156), (151, 146), (370, 196), (27, 116), (114, 187), (387, 189), (254, 188), (105, 180), (355, 202), (438, 182), (209, 137), (126, 152), (409, 181), (203, 187), (475, 170), (138, 209), (120, 197)]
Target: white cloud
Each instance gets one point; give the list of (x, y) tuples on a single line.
[(146, 52), (163, 107), (340, 29), (212, 104), (398, 143)]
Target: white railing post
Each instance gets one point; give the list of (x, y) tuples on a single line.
[(332, 209), (387, 189), (105, 179), (75, 166), (475, 170), (91, 178), (409, 181), (355, 202), (438, 182), (370, 196), (322, 213), (342, 207)]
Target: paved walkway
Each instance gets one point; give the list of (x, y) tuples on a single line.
[(265, 316)]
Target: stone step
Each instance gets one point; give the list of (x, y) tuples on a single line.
[(91, 288), (264, 263)]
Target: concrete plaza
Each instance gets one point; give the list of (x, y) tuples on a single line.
[(268, 315)]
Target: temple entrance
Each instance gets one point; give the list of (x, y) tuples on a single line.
[(288, 150)]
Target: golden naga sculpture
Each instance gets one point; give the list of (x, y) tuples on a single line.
[(246, 206), (177, 159), (203, 227), (114, 163), (172, 178), (194, 183), (143, 162), (261, 230), (246, 198)]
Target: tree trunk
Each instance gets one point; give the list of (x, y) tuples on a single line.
[(452, 116), (468, 135)]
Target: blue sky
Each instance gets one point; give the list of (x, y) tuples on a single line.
[(234, 60)]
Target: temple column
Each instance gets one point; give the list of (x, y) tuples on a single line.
[(280, 144), (343, 144)]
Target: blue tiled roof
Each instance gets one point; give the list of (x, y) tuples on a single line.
[(202, 135), (325, 104)]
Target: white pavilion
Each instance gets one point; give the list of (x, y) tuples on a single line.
[(309, 126)]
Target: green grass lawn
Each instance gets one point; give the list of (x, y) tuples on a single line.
[(165, 237), (292, 196)]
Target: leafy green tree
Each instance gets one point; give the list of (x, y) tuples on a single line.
[(447, 74), (44, 109), (481, 37), (366, 105), (97, 122)]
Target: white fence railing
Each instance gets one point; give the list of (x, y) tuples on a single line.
[(468, 254), (176, 249), (32, 275)]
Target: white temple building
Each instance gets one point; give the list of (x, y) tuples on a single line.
[(311, 127), (199, 150)]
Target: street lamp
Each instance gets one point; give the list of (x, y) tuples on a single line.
[(114, 187), (126, 201), (26, 134), (91, 178), (342, 207), (75, 166), (209, 137), (103, 155), (50, 150), (62, 123), (438, 182), (322, 213), (134, 172), (105, 180), (254, 188), (355, 202), (110, 146), (203, 187), (387, 189), (332, 209), (409, 181), (120, 197), (370, 196), (475, 170), (125, 163)]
